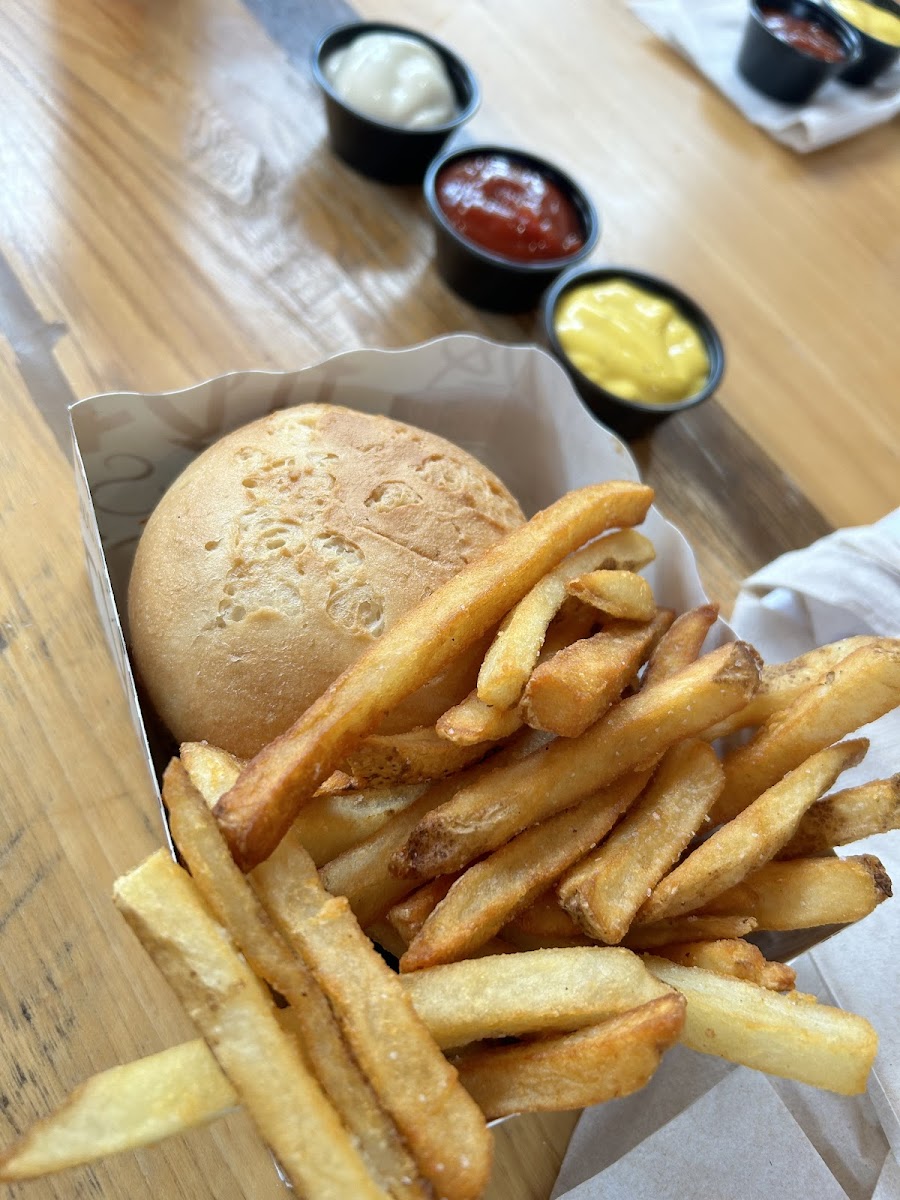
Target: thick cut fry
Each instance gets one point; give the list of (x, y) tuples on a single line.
[(474, 721), (258, 810), (753, 838), (415, 757), (362, 873), (784, 1036), (122, 1109), (233, 902), (484, 815), (805, 892), (605, 890), (622, 595), (592, 1066), (861, 688), (688, 929), (492, 891), (846, 817), (442, 1127), (513, 653), (681, 644), (331, 823), (732, 956), (780, 684), (237, 1017), (534, 992), (570, 692)]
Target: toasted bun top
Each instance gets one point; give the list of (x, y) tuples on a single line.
[(284, 550)]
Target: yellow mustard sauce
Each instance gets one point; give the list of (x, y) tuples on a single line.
[(635, 344), (876, 22)]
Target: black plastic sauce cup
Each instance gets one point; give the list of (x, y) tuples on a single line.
[(780, 70), (386, 152), (877, 56)]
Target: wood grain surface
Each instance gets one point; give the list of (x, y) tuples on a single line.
[(169, 211)]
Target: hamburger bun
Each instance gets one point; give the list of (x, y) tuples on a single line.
[(284, 550)]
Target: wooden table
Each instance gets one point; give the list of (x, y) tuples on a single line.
[(169, 211)]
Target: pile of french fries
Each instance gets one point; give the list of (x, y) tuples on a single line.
[(566, 868)]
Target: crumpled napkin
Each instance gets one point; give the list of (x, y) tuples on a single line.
[(704, 1128), (708, 34)]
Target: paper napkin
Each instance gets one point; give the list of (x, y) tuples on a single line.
[(708, 34)]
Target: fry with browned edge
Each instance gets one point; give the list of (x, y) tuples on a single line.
[(443, 1128), (846, 817), (622, 595), (681, 644), (591, 1066), (236, 1015), (755, 836), (632, 734), (732, 956), (257, 812)]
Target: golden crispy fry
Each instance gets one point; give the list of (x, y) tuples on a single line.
[(604, 891), (681, 644), (409, 915), (859, 689), (780, 684), (534, 992), (514, 651), (122, 1109), (235, 1014), (732, 956), (750, 840), (233, 902), (846, 817), (570, 692), (491, 892), (784, 1036), (591, 1066), (258, 810), (485, 814), (544, 917), (688, 929), (473, 721), (622, 595), (805, 892), (362, 873), (331, 823), (418, 756), (441, 1126)]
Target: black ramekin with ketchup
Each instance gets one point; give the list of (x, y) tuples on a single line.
[(506, 224), (792, 47)]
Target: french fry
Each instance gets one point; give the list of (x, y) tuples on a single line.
[(604, 891), (846, 817), (545, 918), (535, 992), (487, 813), (233, 902), (732, 956), (237, 1017), (274, 786), (124, 1108), (780, 684), (859, 689), (491, 892), (331, 823), (782, 1035), (570, 692), (409, 915), (622, 595), (681, 644), (514, 651), (802, 893), (688, 929), (591, 1066), (441, 1126), (362, 873), (749, 841), (384, 759)]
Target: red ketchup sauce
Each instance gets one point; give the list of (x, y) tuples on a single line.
[(803, 35), (509, 209)]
